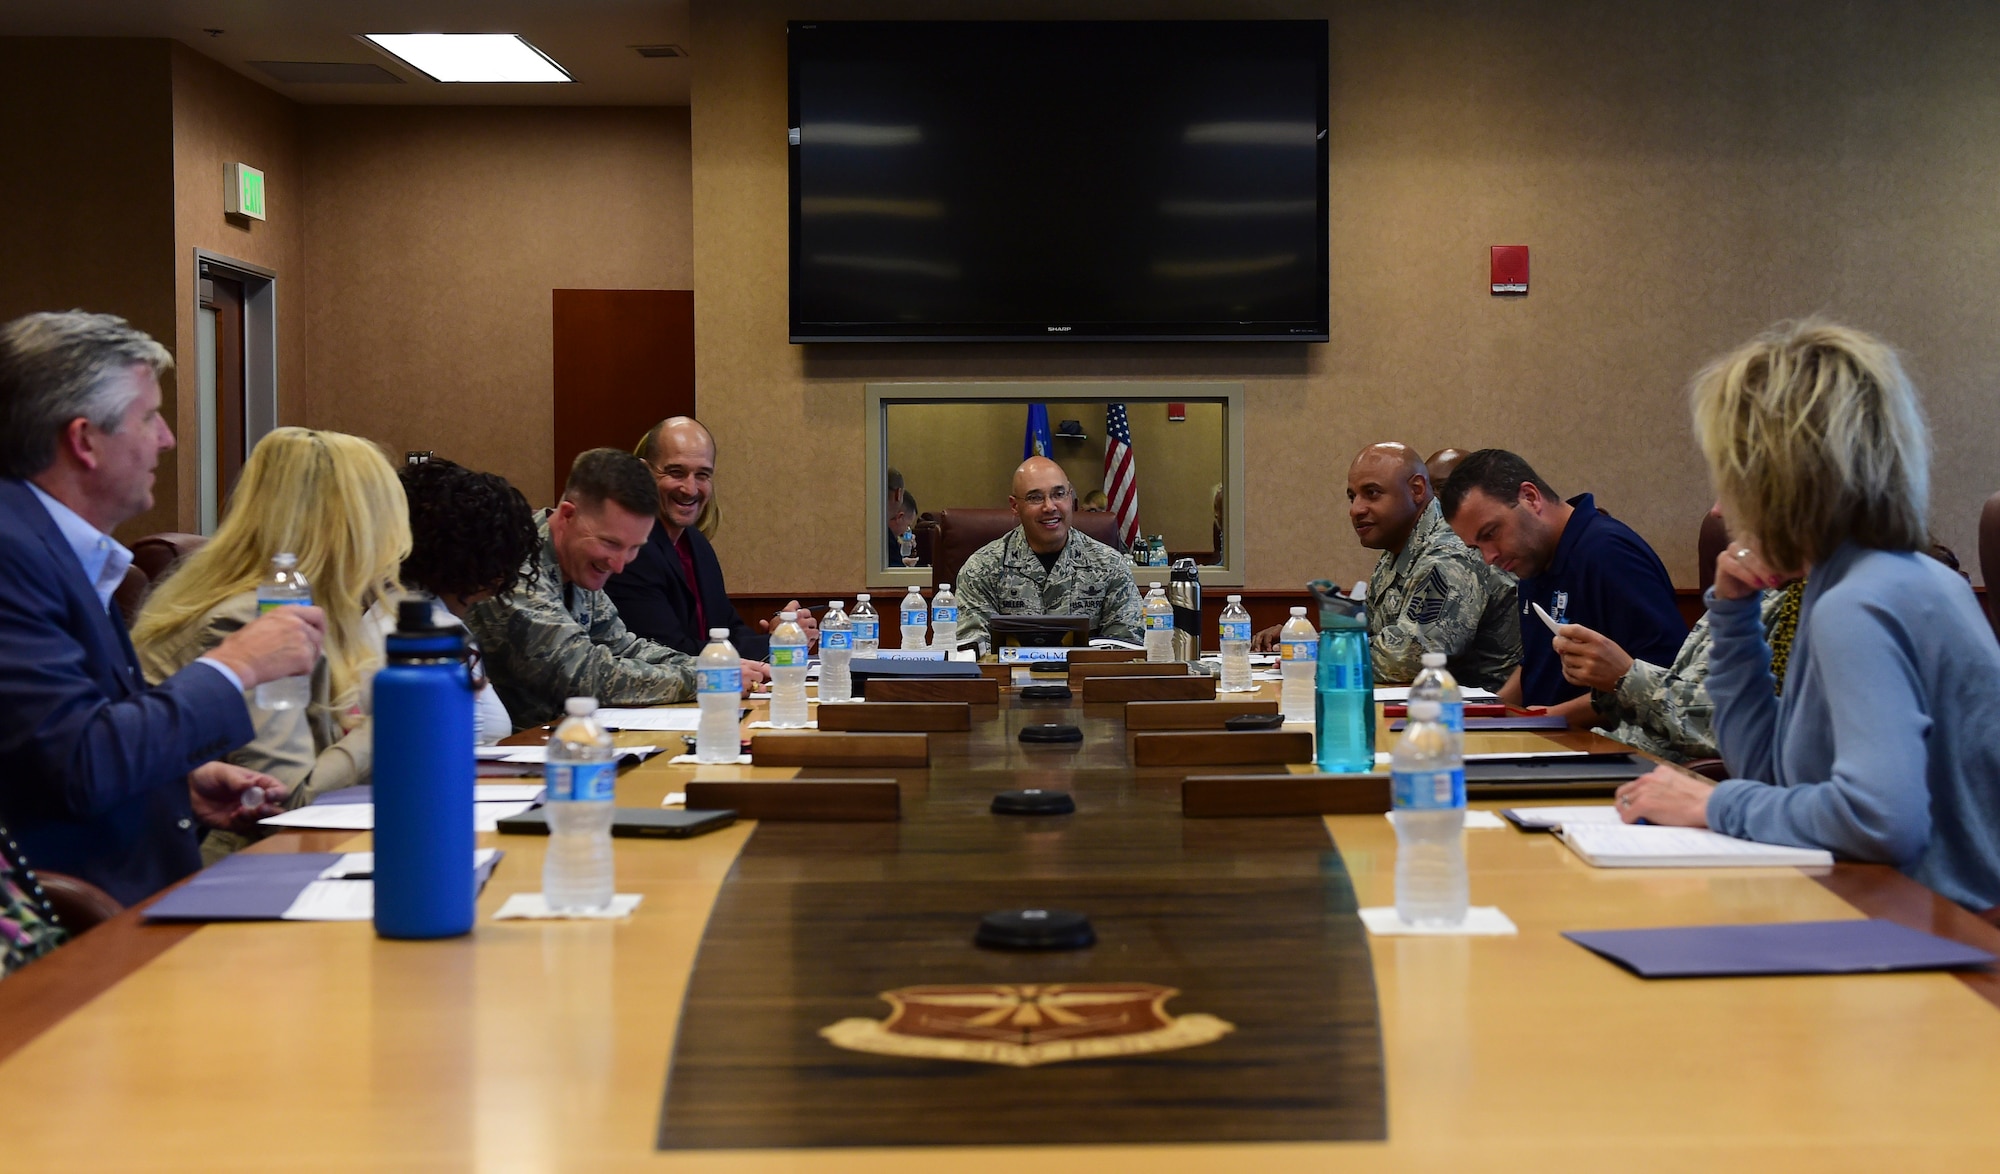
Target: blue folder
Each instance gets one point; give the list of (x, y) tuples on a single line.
[(253, 886), (1860, 946)]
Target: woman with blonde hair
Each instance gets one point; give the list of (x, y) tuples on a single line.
[(1881, 747), (334, 501)]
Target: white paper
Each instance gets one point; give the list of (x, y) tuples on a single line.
[(1465, 693), (333, 900), (1553, 817), (675, 799), (505, 792), (1480, 921), (683, 719), (534, 906), (362, 864), (689, 760), (532, 755), (1511, 755), (360, 817), (811, 725), (1474, 820), (492, 753), (1623, 845)]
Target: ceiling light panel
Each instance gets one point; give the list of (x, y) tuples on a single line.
[(470, 57)]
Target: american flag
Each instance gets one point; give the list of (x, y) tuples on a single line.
[(1121, 473)]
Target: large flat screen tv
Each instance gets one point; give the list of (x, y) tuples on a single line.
[(1058, 180)]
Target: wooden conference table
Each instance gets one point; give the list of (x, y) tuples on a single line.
[(545, 1045)]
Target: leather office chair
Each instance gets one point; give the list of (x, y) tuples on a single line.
[(962, 531), (1989, 557), (77, 903), (156, 554), (1708, 548), (131, 593)]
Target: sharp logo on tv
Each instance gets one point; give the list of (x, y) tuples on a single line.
[(1157, 181)]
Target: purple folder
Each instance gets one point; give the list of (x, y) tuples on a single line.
[(255, 886), (1513, 721), (1794, 947)]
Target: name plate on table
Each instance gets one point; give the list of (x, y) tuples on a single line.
[(909, 654), (975, 690), (802, 800), (1265, 795), (944, 716), (1222, 748), (1123, 689), (1190, 715), (1018, 654), (811, 748)]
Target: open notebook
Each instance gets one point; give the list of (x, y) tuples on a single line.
[(1621, 845)]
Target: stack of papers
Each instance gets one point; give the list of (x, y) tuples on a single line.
[(683, 720), (1622, 845), (1465, 693), (360, 817), (1548, 819)]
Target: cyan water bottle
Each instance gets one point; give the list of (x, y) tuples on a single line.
[(424, 884), (1345, 692), (284, 586)]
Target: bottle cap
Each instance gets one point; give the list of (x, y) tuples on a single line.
[(1233, 599), (1153, 586), (862, 597), (580, 706), (835, 604), (285, 558), (1424, 711), (718, 633), (944, 586), (1299, 611), (1433, 660), (788, 616)]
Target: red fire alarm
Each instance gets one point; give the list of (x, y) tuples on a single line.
[(1510, 269), (1176, 411)]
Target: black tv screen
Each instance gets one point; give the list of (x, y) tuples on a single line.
[(1058, 180)]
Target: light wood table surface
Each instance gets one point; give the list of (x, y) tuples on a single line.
[(544, 1045)]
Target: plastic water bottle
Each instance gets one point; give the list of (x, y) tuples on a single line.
[(1158, 616), (788, 674), (581, 778), (1435, 683), (836, 648), (284, 586), (1344, 691), (424, 883), (1298, 656), (1236, 648), (916, 619), (718, 677), (867, 627), (1427, 777), (944, 619)]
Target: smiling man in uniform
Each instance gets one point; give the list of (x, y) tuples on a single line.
[(1043, 567)]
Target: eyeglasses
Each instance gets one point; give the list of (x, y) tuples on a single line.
[(1036, 497)]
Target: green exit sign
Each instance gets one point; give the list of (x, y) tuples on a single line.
[(244, 194)]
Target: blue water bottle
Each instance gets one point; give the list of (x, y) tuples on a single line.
[(424, 883), (1344, 692)]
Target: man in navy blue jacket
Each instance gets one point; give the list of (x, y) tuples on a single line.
[(101, 776), (1579, 564), (673, 593)]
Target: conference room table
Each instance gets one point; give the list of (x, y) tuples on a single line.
[(545, 1045)]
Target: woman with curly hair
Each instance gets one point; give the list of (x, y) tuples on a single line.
[(332, 500), (469, 535)]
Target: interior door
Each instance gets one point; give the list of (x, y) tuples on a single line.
[(624, 360), (223, 296)]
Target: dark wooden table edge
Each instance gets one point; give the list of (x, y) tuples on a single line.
[(1880, 891), (48, 990)]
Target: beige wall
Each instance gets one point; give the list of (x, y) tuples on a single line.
[(222, 117), (1684, 174), (433, 237), (964, 454), (86, 194)]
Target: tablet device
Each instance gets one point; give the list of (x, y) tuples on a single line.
[(645, 822)]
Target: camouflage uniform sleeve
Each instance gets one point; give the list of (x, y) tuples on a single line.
[(538, 655), (1442, 614), (639, 669), (975, 593), (1671, 705), (1121, 617)]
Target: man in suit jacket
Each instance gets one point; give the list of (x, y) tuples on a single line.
[(101, 776), (673, 593)]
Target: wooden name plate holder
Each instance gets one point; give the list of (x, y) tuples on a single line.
[(1222, 748), (801, 800), (813, 748), (1123, 689), (1105, 655), (1223, 795), (981, 690), (945, 716), (1079, 673), (1189, 715)]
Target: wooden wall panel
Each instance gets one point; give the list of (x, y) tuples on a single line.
[(624, 360)]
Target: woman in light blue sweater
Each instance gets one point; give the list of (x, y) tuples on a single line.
[(1885, 745)]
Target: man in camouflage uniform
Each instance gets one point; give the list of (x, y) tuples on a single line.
[(556, 634), (1667, 711), (1044, 568), (1429, 592)]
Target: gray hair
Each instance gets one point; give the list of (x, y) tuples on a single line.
[(55, 368)]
